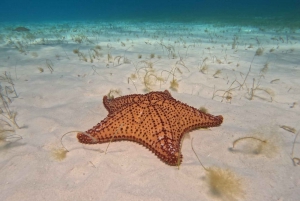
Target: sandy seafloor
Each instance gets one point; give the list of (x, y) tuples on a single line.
[(49, 104)]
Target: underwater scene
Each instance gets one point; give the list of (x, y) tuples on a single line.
[(150, 100)]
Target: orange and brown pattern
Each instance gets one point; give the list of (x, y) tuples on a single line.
[(155, 120)]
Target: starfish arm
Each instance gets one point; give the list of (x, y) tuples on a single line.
[(116, 104), (191, 118), (167, 148), (123, 125)]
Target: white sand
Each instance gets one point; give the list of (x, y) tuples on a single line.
[(70, 98)]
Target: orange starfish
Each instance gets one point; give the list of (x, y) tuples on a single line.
[(155, 120)]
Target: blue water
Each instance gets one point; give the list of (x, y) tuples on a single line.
[(275, 12)]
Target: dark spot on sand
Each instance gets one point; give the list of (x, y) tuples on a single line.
[(21, 29)]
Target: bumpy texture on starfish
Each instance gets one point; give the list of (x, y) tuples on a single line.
[(156, 120)]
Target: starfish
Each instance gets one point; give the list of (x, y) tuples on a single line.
[(155, 120)]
